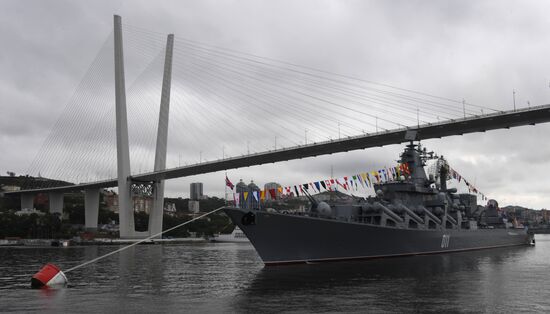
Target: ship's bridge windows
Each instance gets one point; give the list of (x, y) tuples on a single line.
[(390, 223)]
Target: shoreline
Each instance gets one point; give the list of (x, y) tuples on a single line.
[(97, 241)]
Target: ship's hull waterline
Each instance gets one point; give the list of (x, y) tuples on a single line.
[(283, 238)]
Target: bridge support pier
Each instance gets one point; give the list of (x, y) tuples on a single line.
[(56, 202), (27, 201), (155, 217), (91, 209)]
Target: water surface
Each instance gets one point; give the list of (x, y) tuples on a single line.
[(225, 277)]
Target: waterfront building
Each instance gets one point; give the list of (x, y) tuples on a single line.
[(194, 206), (272, 186), (110, 199), (252, 202), (240, 189), (28, 211), (249, 195), (10, 188), (169, 208), (544, 215), (142, 203), (196, 191), (139, 203)]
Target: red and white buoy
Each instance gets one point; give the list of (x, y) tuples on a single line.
[(49, 276)]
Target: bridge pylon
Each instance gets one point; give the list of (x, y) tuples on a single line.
[(125, 208), (155, 217)]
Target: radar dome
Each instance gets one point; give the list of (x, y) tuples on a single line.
[(241, 186), (252, 186)]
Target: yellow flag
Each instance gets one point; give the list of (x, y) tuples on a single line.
[(245, 196), (376, 175), (262, 195)]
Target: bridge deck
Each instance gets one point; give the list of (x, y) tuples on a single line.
[(482, 123)]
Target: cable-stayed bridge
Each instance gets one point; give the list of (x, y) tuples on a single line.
[(238, 96), (504, 119)]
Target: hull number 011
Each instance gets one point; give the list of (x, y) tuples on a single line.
[(445, 241)]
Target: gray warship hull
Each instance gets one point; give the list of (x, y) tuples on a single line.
[(286, 238)]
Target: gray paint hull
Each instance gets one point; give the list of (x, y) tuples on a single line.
[(281, 238)]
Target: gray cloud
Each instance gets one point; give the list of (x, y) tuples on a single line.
[(476, 50)]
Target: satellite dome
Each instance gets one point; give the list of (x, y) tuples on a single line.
[(241, 186), (241, 183), (252, 186)]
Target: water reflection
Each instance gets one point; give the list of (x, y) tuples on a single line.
[(231, 278), (442, 281)]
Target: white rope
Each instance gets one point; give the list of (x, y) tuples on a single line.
[(140, 241)]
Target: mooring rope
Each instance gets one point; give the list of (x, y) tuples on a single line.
[(141, 241)]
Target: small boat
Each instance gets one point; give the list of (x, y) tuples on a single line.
[(237, 236), (60, 243), (10, 242)]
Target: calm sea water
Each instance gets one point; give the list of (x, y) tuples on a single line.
[(210, 277)]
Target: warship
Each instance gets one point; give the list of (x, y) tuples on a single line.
[(415, 214)]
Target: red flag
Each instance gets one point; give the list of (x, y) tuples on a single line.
[(228, 183), (342, 185), (407, 168)]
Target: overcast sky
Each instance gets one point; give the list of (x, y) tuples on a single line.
[(475, 50)]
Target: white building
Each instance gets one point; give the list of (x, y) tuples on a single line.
[(194, 206), (28, 211), (170, 208)]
